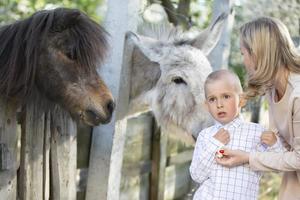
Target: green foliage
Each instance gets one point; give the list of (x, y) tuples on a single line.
[(239, 69), (11, 10), (192, 13), (269, 186), (201, 15)]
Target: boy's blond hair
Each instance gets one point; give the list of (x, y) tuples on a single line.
[(225, 75)]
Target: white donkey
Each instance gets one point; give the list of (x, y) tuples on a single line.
[(168, 76)]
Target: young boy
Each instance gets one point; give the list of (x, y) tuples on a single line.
[(223, 94)]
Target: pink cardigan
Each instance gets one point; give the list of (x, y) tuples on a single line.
[(287, 162)]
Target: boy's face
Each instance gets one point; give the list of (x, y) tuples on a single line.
[(222, 100)]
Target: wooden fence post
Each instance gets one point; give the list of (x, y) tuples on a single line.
[(31, 183), (8, 151), (107, 146), (220, 54), (63, 156), (48, 154), (159, 163)]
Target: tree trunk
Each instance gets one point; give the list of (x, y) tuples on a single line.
[(177, 16), (220, 55), (169, 8), (183, 11)]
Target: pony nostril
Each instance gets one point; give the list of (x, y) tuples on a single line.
[(110, 106)]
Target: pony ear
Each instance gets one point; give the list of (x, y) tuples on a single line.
[(64, 19), (150, 48), (207, 39)]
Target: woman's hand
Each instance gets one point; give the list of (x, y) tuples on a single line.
[(232, 158)]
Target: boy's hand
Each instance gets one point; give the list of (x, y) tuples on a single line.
[(223, 136), (268, 138)]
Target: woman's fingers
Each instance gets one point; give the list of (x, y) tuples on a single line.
[(225, 161), (233, 158)]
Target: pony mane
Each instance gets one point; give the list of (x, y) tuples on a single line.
[(20, 48)]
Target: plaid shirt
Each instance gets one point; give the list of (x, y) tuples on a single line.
[(221, 183)]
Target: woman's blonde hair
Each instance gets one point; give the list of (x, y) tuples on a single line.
[(268, 42)]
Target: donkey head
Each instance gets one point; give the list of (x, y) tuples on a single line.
[(169, 76)]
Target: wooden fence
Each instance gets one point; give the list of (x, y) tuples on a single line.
[(38, 157), (38, 154), (155, 164)]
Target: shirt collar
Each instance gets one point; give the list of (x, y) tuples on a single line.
[(233, 124)]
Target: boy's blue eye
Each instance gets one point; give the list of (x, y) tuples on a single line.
[(211, 100)]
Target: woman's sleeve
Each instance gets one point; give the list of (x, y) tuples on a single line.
[(203, 157), (284, 161)]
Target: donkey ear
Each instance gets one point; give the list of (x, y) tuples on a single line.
[(65, 18), (207, 39), (140, 103), (151, 48)]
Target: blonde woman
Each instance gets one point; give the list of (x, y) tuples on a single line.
[(273, 67)]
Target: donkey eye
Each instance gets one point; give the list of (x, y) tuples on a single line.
[(178, 80)]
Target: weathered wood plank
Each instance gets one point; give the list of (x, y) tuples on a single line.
[(159, 159), (180, 158), (135, 188), (63, 156), (177, 181), (8, 139), (31, 182), (136, 169), (137, 162), (46, 157), (84, 136), (108, 141), (138, 139)]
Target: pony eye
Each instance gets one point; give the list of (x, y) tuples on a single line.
[(70, 55), (179, 80)]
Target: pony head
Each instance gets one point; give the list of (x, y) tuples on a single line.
[(57, 52)]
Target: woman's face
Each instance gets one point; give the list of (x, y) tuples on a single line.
[(247, 59)]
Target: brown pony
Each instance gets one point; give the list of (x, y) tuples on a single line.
[(56, 53)]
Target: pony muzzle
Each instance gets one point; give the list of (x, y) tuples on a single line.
[(95, 117)]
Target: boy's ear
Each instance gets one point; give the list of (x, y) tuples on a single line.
[(243, 101)]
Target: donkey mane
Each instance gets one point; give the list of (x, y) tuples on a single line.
[(165, 33), (20, 46)]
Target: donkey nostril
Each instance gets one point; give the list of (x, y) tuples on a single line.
[(110, 106)]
